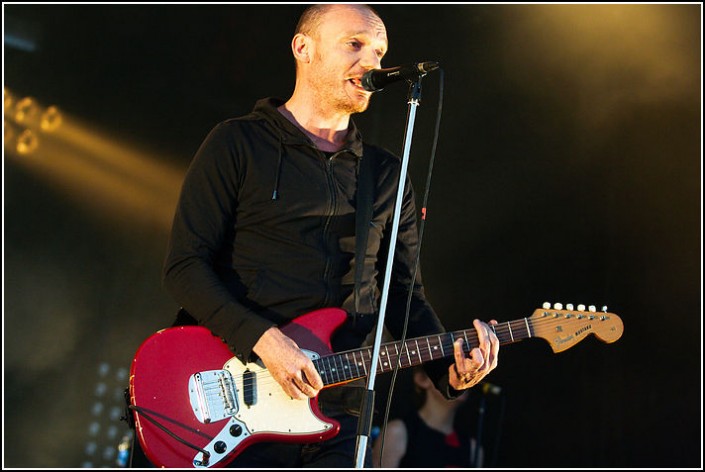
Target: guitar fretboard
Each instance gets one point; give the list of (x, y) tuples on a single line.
[(350, 365)]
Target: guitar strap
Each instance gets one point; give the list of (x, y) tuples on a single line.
[(363, 219)]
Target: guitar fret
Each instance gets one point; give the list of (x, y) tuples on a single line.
[(418, 351), (430, 353), (346, 366), (341, 367), (435, 350), (451, 338), (440, 343), (348, 375), (367, 359), (528, 331), (386, 351), (336, 370), (321, 371), (362, 361), (511, 335), (516, 328), (352, 367), (357, 365), (400, 355), (329, 371)]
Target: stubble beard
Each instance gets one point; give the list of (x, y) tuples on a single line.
[(331, 94)]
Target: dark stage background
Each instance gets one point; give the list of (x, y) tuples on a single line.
[(568, 170)]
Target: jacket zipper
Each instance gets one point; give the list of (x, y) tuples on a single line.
[(331, 212)]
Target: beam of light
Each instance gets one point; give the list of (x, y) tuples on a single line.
[(613, 55), (119, 182)]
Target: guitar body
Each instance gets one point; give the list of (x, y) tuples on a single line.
[(187, 380)]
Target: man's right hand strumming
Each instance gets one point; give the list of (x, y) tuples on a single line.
[(288, 365)]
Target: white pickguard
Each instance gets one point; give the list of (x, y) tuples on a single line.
[(273, 411)]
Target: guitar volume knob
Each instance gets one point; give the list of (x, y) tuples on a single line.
[(220, 447)]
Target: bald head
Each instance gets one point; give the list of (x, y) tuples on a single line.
[(312, 17)]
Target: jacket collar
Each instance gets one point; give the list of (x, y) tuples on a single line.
[(290, 134)]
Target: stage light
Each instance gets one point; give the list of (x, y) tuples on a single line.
[(8, 99), (27, 142), (115, 180), (25, 120), (26, 111), (10, 132), (51, 119)]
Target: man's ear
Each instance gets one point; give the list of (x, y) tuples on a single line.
[(302, 47)]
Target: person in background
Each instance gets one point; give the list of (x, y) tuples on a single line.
[(427, 436)]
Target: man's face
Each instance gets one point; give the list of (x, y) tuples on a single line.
[(350, 41)]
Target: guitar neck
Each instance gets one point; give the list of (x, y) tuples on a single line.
[(355, 364)]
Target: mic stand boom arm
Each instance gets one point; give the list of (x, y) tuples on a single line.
[(367, 410)]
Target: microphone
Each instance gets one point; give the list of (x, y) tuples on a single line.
[(376, 79)]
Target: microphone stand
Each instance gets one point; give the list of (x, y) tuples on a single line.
[(367, 410), (480, 423)]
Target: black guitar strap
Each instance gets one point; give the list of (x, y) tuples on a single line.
[(363, 219)]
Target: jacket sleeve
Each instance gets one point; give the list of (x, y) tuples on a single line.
[(202, 225), (423, 320)]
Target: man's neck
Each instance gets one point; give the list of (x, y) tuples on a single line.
[(327, 132)]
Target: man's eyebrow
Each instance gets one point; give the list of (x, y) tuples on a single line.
[(367, 36)]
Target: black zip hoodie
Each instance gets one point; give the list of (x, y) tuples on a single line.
[(264, 231)]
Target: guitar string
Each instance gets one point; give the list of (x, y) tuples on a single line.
[(503, 330)]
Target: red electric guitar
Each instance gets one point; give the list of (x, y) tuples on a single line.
[(196, 405)]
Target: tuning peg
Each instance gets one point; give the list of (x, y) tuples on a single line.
[(592, 308), (569, 306), (546, 305), (604, 308), (557, 306)]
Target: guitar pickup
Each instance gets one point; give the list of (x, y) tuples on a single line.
[(213, 395), (249, 388)]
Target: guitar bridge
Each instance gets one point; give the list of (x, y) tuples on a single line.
[(213, 395)]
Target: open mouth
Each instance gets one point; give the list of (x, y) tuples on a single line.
[(356, 82)]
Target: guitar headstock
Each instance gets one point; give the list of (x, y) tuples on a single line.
[(564, 327)]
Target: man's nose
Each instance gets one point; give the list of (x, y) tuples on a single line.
[(370, 59)]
